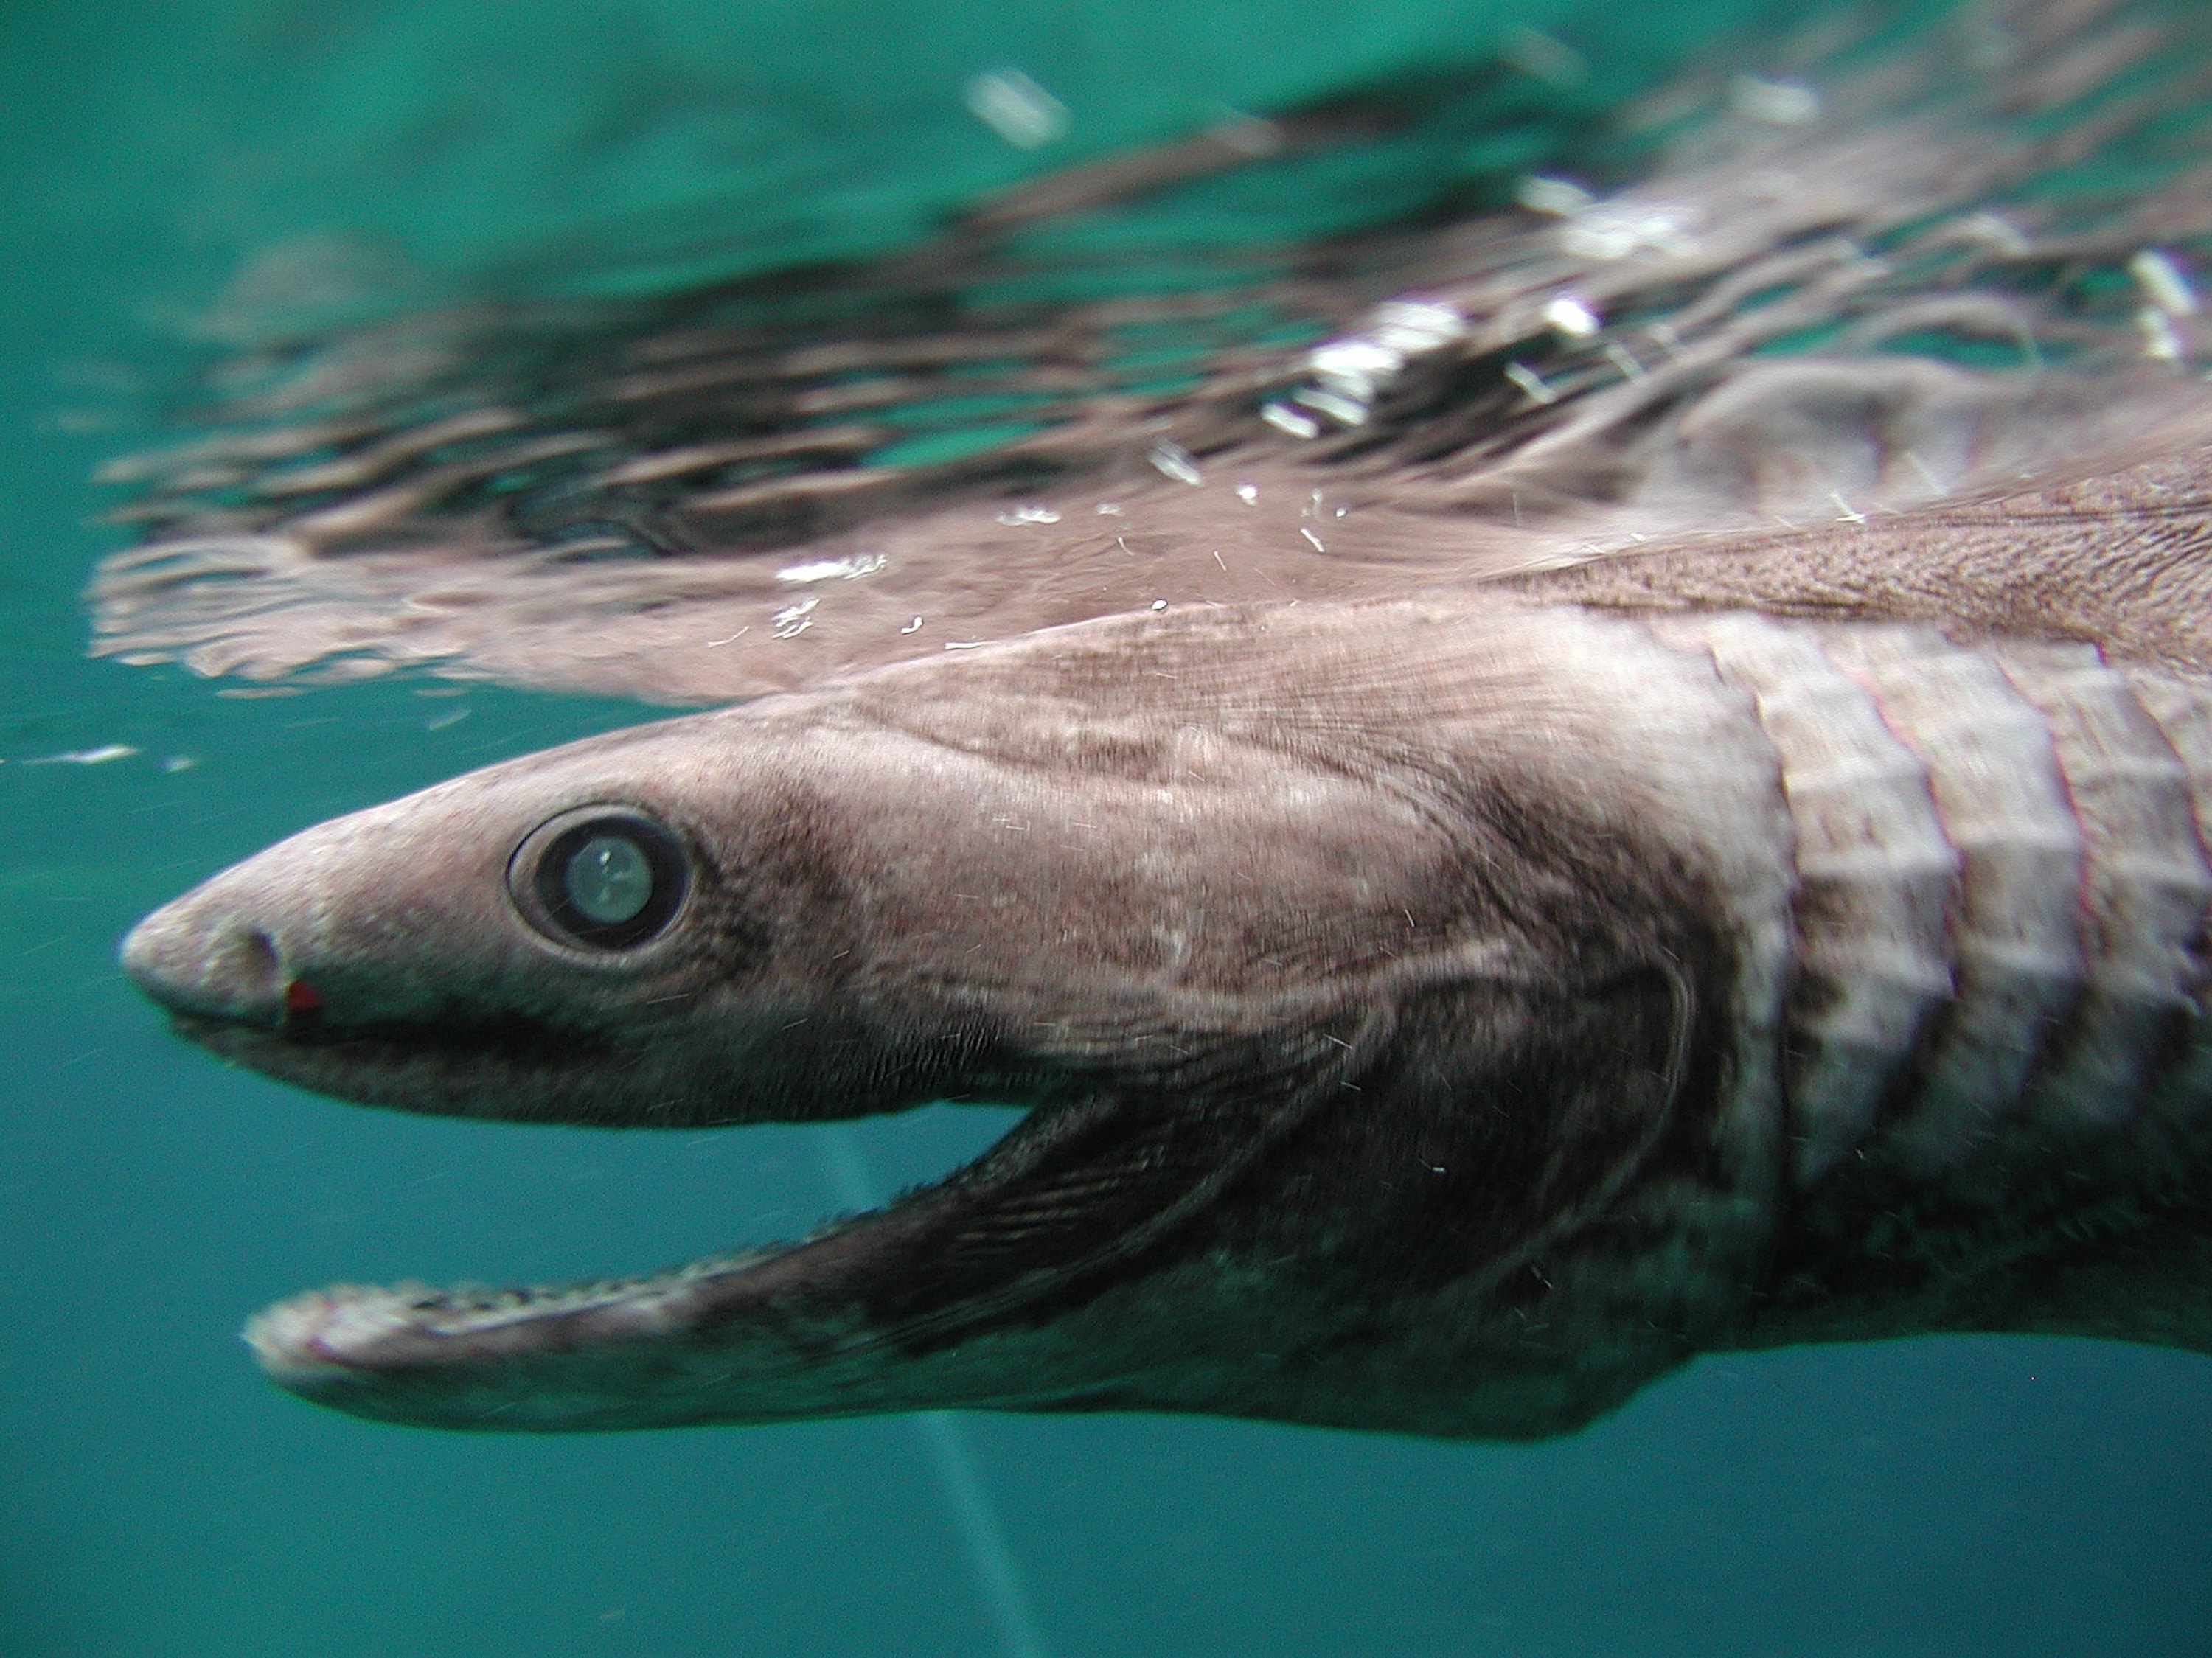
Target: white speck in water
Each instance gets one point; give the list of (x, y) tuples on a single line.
[(1912, 458), (1413, 326), (1572, 317), (1617, 230), (912, 627), (1530, 382), (1778, 103), (965, 644), (2000, 234), (1159, 603), (1015, 107), (729, 638), (1030, 515), (1218, 560), (1249, 493), (1287, 420), (2162, 342), (1557, 197), (1343, 410), (99, 757), (2164, 283), (1110, 509), (833, 569), (794, 620), (1174, 461), (1851, 513), (177, 762), (1353, 368), (1307, 531)]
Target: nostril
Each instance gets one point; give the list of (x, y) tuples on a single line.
[(244, 977), (205, 966), (255, 972)]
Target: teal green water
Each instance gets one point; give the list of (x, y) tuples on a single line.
[(157, 1501)]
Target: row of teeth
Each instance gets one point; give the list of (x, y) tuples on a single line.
[(470, 1305), (474, 1299)]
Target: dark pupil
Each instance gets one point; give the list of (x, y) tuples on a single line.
[(609, 879)]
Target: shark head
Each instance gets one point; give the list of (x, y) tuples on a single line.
[(1339, 1029)]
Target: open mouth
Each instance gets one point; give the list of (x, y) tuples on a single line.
[(861, 1316), (998, 1284), (877, 1285), (355, 1331)]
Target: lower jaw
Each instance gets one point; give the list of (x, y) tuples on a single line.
[(753, 1336)]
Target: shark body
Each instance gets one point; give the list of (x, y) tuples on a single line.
[(1442, 1015), (1616, 807)]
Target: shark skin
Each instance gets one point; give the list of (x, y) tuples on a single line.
[(1610, 765), (1402, 994), (1244, 968)]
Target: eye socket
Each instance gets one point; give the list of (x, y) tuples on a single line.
[(602, 876)]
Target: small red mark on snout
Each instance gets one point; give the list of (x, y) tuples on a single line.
[(302, 999)]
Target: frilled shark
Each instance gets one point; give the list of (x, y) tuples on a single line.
[(1622, 805)]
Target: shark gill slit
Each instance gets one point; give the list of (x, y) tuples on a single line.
[(2002, 889)]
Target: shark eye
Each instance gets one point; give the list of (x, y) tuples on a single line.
[(602, 876)]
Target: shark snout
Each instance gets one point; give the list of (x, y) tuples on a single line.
[(200, 959)]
